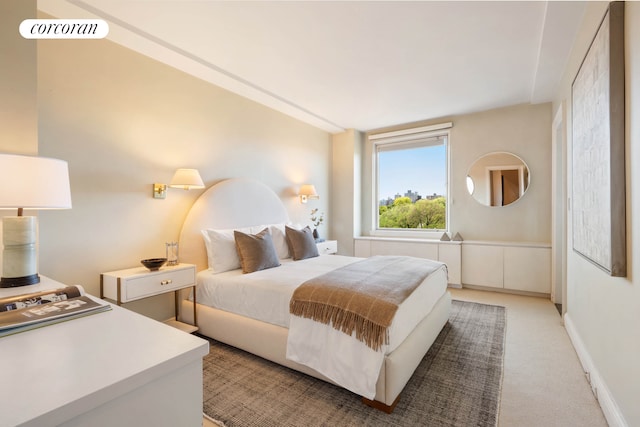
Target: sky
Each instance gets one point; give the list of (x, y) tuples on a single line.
[(422, 170)]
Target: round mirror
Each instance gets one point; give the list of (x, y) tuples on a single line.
[(498, 179)]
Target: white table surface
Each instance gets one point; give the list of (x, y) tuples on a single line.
[(54, 373)]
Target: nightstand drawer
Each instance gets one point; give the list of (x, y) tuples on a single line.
[(136, 283), (328, 247), (153, 284)]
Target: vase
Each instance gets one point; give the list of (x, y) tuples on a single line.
[(172, 253)]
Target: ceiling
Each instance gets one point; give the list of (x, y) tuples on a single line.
[(353, 64)]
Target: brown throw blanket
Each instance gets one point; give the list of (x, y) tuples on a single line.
[(363, 296)]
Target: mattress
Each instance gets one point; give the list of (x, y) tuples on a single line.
[(264, 295)]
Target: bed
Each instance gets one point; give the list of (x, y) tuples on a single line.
[(244, 204)]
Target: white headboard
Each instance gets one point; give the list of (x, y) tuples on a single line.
[(234, 203)]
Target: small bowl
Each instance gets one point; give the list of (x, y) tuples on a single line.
[(153, 264)]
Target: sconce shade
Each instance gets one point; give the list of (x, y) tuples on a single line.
[(187, 179), (307, 191), (28, 183), (33, 183)]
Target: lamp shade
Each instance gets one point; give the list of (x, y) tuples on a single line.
[(187, 179), (308, 190), (33, 183)]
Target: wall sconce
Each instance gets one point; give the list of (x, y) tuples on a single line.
[(28, 183), (307, 191), (186, 179)]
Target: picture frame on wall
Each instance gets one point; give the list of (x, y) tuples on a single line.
[(598, 149)]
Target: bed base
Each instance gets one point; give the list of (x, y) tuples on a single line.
[(270, 342)]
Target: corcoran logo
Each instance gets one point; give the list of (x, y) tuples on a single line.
[(64, 29)]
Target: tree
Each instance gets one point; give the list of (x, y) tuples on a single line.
[(425, 214), (401, 201), (428, 214), (396, 216)]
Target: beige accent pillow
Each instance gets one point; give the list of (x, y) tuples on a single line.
[(301, 243), (256, 251)]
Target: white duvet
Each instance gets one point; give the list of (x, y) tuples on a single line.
[(265, 295)]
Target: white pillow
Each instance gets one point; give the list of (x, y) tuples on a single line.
[(222, 254), (278, 237)]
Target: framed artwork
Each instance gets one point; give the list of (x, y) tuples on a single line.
[(598, 152)]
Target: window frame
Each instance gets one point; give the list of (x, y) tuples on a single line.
[(404, 137)]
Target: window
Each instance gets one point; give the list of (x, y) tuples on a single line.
[(411, 179)]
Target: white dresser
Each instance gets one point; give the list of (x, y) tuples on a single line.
[(511, 266), (447, 252), (115, 368)]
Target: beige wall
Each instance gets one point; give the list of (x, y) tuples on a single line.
[(346, 189), (124, 121), (605, 311), (18, 85), (524, 130)]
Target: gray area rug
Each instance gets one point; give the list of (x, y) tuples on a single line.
[(457, 383)]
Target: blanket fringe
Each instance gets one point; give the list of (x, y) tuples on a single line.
[(374, 335)]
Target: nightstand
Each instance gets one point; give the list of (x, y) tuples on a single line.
[(328, 247), (123, 286)]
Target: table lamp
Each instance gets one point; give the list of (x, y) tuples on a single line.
[(28, 182)]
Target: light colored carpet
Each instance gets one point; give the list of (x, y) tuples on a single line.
[(544, 384), (457, 383)]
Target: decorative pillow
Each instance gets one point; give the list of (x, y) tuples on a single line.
[(302, 245), (221, 249), (278, 236), (256, 251)]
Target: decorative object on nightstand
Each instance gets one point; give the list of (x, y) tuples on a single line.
[(123, 286), (306, 192), (153, 264), (28, 183), (316, 219), (327, 247), (172, 253), (187, 179)]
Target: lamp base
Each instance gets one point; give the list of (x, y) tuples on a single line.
[(14, 282)]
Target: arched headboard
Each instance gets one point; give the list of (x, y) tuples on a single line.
[(233, 203)]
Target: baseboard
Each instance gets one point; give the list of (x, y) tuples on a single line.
[(609, 407), (505, 291)]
